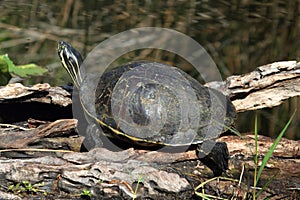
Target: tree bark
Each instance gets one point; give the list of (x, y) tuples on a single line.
[(50, 157)]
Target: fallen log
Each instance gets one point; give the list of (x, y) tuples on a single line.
[(267, 86), (47, 154)]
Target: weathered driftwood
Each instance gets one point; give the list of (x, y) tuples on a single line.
[(55, 160), (55, 135), (42, 93), (164, 175), (267, 86), (18, 103)]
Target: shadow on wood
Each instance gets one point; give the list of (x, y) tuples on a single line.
[(49, 152)]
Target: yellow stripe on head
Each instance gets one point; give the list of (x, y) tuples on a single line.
[(71, 61)]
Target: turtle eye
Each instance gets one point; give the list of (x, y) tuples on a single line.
[(70, 59)]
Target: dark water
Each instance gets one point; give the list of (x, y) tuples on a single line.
[(238, 35)]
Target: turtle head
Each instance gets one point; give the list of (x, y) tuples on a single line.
[(71, 61)]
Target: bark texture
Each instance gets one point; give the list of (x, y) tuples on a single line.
[(44, 158)]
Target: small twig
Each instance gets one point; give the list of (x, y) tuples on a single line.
[(38, 150), (11, 126), (241, 176)]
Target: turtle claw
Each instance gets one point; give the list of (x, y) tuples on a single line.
[(216, 159)]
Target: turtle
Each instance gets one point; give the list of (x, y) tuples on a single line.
[(152, 104)]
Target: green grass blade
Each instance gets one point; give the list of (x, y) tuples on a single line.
[(272, 148), (207, 196), (256, 155), (267, 184)]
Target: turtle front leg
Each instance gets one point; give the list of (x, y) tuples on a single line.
[(214, 155)]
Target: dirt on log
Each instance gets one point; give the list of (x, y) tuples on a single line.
[(44, 157)]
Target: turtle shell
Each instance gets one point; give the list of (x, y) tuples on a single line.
[(152, 103)]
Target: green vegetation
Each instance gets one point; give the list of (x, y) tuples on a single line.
[(257, 171), (207, 196), (24, 188), (8, 69), (86, 193), (266, 157), (140, 179), (239, 36)]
